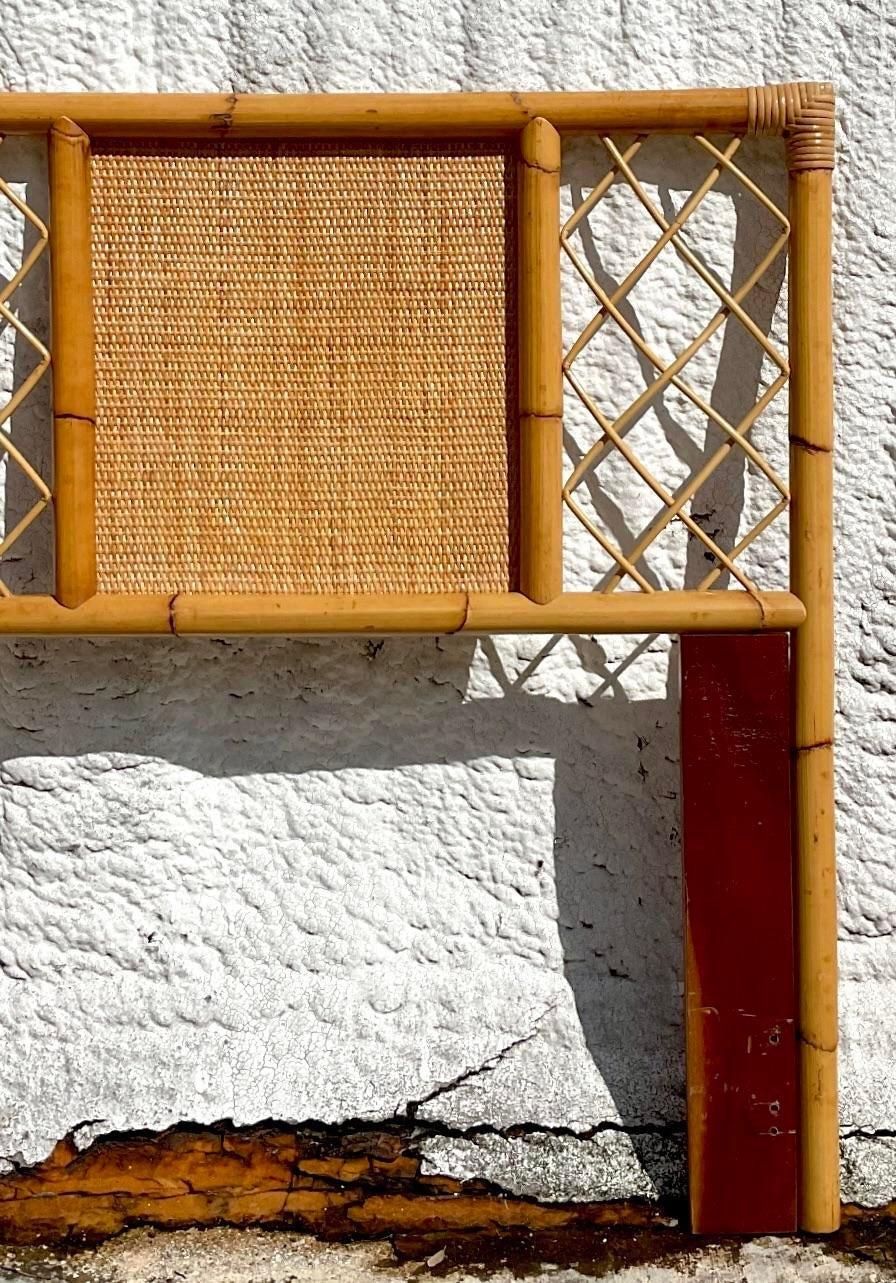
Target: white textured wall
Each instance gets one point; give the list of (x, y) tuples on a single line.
[(326, 880)]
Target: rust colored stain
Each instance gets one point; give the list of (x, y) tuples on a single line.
[(357, 1184)]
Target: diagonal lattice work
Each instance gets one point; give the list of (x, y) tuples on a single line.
[(18, 394), (613, 431)]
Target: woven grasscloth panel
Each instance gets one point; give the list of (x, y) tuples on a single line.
[(304, 364)]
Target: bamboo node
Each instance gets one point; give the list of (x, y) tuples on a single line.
[(466, 615), (803, 113), (818, 1044), (810, 447), (172, 615), (222, 121)]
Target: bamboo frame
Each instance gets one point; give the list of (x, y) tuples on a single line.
[(411, 614), (802, 114), (811, 561), (541, 375), (790, 110), (376, 115), (74, 381)]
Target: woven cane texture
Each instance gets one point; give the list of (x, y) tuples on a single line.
[(304, 369)]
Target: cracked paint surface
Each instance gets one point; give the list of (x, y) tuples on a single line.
[(345, 879)]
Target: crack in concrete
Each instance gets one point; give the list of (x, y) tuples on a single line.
[(488, 1066), (420, 1129)]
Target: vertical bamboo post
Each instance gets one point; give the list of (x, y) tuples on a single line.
[(540, 356), (810, 137), (74, 386)]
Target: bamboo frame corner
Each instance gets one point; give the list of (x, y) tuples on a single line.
[(803, 116)]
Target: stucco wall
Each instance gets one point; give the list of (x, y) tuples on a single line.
[(333, 880)]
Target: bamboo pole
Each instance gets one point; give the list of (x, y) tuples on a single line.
[(74, 387), (634, 612), (324, 613), (540, 357), (384, 115), (101, 615), (811, 558), (804, 114), (421, 614)]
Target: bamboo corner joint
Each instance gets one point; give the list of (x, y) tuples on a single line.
[(530, 125)]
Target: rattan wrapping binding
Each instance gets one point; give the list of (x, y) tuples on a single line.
[(305, 367)]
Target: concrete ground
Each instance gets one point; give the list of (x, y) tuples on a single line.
[(234, 1256)]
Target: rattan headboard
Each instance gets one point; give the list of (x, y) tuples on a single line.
[(308, 377), (307, 361)]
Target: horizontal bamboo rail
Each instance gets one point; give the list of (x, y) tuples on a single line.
[(424, 614), (659, 612), (45, 616), (324, 613), (384, 115)]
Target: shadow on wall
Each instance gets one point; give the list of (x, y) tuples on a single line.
[(236, 708)]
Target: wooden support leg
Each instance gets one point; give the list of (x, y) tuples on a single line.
[(812, 579), (740, 987)]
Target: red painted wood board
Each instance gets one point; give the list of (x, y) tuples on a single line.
[(740, 989)]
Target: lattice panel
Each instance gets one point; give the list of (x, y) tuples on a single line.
[(629, 562), (18, 394)]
